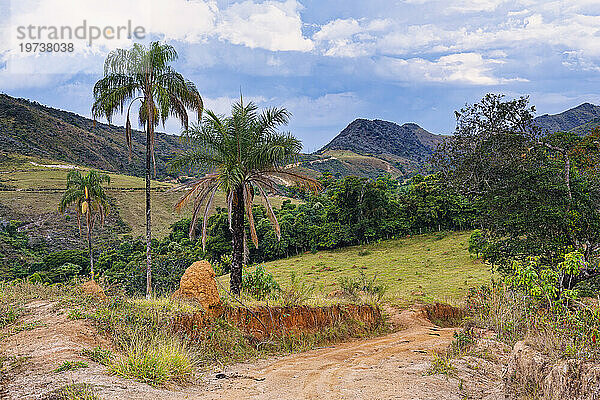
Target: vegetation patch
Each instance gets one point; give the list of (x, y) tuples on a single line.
[(70, 365), (75, 391), (154, 359), (98, 354), (441, 364)]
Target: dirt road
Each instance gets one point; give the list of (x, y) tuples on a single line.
[(388, 367)]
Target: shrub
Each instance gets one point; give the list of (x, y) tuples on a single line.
[(295, 293), (441, 364), (66, 272), (260, 284), (58, 258), (477, 243), (361, 285), (532, 302), (9, 313)]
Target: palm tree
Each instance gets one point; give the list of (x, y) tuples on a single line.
[(245, 155), (88, 196), (145, 74)]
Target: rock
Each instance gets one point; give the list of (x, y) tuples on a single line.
[(91, 288), (198, 283)]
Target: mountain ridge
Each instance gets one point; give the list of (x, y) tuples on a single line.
[(572, 119), (30, 128), (363, 136)]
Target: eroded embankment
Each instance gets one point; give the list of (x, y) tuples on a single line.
[(263, 321)]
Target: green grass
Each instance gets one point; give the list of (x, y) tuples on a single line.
[(98, 354), (154, 359), (40, 189), (70, 365), (437, 265), (75, 391)]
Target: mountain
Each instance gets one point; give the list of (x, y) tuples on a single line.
[(372, 147), (579, 119), (32, 129), (376, 137)]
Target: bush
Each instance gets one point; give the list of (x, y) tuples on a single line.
[(67, 272), (260, 284), (295, 293), (441, 364), (477, 243), (532, 303), (58, 258), (361, 285)]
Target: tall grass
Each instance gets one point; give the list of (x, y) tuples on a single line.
[(150, 351), (153, 358), (560, 332)]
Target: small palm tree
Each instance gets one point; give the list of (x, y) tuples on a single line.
[(88, 196), (245, 155), (145, 74)]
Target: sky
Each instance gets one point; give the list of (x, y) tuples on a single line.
[(327, 61)]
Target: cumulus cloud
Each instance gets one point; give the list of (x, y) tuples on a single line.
[(465, 68), (269, 25)]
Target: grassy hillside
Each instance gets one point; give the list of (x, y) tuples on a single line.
[(32, 129), (30, 189), (341, 163), (428, 267)]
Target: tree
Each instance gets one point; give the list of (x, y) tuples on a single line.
[(88, 196), (245, 155), (145, 74), (534, 196)]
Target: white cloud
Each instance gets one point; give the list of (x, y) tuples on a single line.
[(350, 37), (463, 68), (269, 25)]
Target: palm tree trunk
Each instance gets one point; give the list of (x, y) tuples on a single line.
[(89, 239), (149, 131), (237, 234)]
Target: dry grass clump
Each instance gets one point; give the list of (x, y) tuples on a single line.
[(155, 359), (76, 391)]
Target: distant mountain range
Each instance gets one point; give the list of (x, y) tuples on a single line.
[(29, 128), (580, 119), (365, 147)]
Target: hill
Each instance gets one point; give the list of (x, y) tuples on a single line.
[(579, 119), (432, 267), (383, 138), (30, 189), (370, 148), (32, 129)]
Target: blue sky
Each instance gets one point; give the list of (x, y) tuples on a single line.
[(328, 62)]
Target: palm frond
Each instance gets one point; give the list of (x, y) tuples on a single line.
[(248, 208)]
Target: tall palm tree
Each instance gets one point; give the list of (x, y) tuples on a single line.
[(88, 196), (145, 74), (245, 155)]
